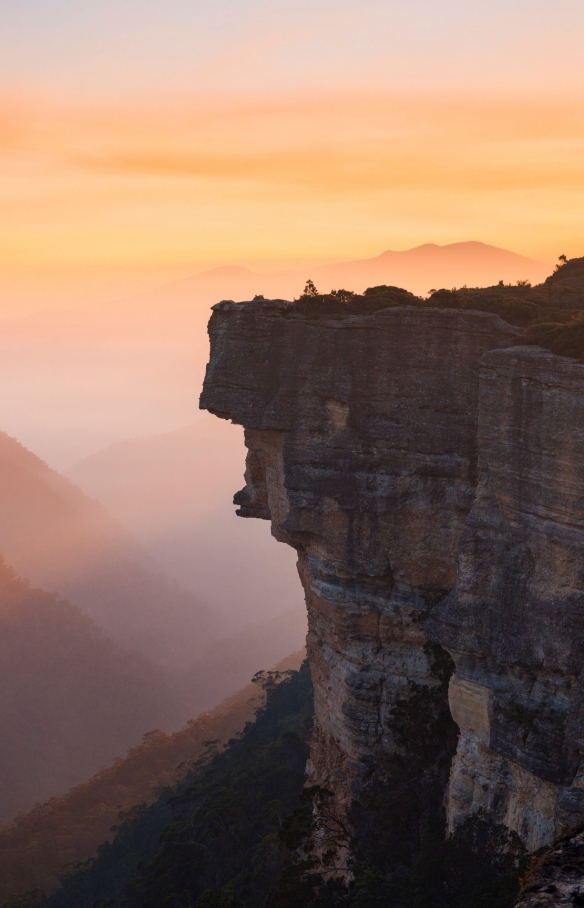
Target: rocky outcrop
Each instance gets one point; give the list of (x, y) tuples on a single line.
[(556, 879), (361, 438), (514, 622), (423, 464)]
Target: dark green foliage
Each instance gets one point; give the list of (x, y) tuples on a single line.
[(517, 305), (520, 714), (210, 899), (477, 867), (238, 833), (563, 339), (215, 831), (552, 313), (345, 303), (229, 838), (310, 289)]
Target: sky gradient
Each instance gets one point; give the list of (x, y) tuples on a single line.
[(150, 135)]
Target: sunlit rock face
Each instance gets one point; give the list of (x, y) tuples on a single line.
[(361, 436), (514, 622)]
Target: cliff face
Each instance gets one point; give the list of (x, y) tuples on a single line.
[(415, 457), (555, 880), (514, 622), (362, 452)]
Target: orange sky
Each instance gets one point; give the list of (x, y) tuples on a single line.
[(389, 129)]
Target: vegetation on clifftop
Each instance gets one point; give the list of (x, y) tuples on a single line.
[(551, 313)]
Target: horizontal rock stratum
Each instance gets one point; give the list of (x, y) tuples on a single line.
[(429, 471)]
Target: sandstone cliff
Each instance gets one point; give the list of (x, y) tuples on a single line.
[(424, 464), (556, 879), (514, 622), (362, 452)]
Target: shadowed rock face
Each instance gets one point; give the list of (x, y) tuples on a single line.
[(415, 457), (361, 438), (514, 622)]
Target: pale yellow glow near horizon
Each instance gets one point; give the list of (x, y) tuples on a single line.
[(165, 138), (213, 179)]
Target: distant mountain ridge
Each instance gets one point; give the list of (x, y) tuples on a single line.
[(471, 263), (420, 269)]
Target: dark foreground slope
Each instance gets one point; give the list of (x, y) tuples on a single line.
[(233, 833), (207, 830), (76, 695), (37, 846)]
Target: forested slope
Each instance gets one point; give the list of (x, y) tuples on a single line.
[(68, 829)]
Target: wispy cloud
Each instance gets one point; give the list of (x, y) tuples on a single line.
[(156, 172)]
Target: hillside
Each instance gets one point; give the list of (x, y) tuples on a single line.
[(61, 540), (38, 845), (64, 541), (71, 700)]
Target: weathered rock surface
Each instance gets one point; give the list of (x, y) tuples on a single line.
[(514, 622), (362, 452), (415, 457), (557, 878)]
